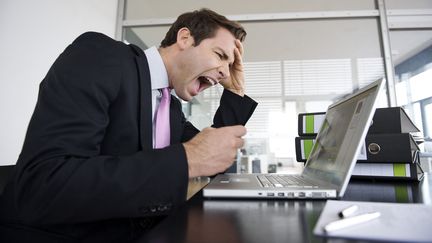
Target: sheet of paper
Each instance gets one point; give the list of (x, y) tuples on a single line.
[(399, 222)]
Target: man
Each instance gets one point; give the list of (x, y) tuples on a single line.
[(95, 149)]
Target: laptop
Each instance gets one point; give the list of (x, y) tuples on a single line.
[(331, 161)]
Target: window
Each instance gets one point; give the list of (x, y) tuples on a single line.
[(414, 76), (428, 118)]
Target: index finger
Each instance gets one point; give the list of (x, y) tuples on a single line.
[(237, 130), (239, 46)]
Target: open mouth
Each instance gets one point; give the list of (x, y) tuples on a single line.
[(207, 80), (203, 83)]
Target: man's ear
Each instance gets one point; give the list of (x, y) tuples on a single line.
[(184, 38)]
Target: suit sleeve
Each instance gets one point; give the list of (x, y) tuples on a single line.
[(62, 176), (233, 110)]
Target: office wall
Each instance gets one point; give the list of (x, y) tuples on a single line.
[(277, 40), (138, 9), (33, 34)]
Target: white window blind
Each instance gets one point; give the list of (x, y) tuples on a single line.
[(259, 122), (369, 70), (317, 77), (263, 79)]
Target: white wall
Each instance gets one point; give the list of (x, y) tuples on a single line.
[(32, 35)]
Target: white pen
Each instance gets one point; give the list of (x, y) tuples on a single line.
[(348, 211), (346, 222)]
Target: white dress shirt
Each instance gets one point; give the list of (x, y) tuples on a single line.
[(159, 79)]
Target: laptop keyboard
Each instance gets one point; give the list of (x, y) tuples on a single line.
[(285, 181)]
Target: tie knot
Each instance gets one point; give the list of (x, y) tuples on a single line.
[(165, 92)]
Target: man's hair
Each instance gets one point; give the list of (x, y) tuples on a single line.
[(202, 24)]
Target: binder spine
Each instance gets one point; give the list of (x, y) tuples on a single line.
[(394, 148), (399, 171), (310, 123), (390, 147), (303, 147)]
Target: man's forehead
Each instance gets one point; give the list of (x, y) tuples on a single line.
[(224, 34), (226, 41)]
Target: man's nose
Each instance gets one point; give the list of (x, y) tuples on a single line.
[(224, 72)]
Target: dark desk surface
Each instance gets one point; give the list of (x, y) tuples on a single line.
[(211, 220)]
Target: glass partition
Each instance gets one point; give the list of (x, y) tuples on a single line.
[(290, 67), (318, 52)]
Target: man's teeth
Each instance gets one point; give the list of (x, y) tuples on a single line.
[(210, 81)]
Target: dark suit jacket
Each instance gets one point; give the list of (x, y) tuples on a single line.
[(88, 154)]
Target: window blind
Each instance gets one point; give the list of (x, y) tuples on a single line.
[(317, 77), (369, 70), (263, 79)]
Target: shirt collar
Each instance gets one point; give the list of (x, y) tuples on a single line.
[(158, 72)]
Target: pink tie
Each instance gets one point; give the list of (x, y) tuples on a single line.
[(162, 126)]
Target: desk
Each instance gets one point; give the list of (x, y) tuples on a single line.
[(215, 220), (195, 185)]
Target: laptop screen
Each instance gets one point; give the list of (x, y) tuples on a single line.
[(340, 137)]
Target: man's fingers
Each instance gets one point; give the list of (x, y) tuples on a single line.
[(238, 58), (239, 142), (237, 130), (239, 45)]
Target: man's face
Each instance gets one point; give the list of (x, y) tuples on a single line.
[(200, 67)]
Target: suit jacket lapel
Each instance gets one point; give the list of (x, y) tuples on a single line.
[(145, 107), (175, 121)]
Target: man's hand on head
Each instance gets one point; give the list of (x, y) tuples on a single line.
[(235, 83), (213, 150)]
